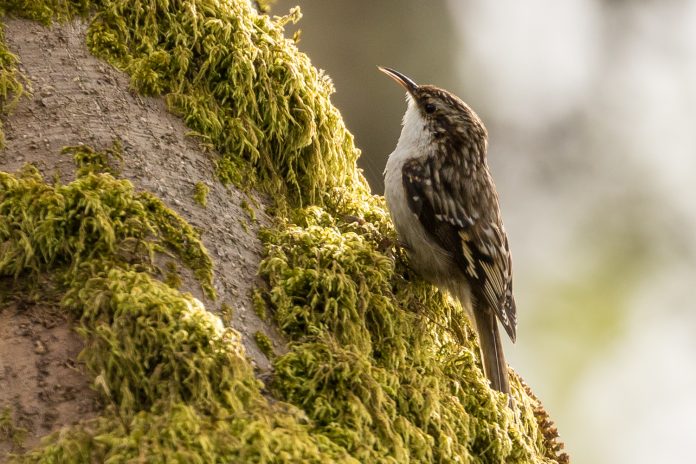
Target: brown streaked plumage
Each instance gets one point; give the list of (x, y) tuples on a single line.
[(445, 208)]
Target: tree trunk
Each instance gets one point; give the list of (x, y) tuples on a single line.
[(140, 245)]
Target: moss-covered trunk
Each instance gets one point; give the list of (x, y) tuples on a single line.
[(365, 366)]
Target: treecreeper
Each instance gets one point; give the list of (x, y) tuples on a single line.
[(444, 205)]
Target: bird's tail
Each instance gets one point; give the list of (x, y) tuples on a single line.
[(493, 358)]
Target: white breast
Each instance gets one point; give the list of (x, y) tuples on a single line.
[(430, 260)]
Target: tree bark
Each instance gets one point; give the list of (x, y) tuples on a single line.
[(77, 99)]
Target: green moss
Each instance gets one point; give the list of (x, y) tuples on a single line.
[(200, 193), (172, 276), (247, 208), (257, 299), (375, 359), (89, 160), (264, 6), (47, 11), (380, 367), (154, 346), (240, 84), (9, 431), (179, 385), (226, 314), (235, 79), (179, 236), (94, 217), (182, 434), (13, 84), (264, 343)]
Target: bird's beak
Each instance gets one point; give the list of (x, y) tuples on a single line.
[(404, 81)]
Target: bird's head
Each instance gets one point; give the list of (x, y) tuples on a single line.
[(440, 116)]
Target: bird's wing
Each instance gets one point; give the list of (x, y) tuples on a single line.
[(444, 200)]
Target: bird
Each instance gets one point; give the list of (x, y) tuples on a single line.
[(445, 208)]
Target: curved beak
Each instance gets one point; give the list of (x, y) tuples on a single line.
[(405, 81)]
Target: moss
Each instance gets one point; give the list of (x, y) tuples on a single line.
[(259, 303), (172, 276), (380, 368), (179, 385), (47, 11), (89, 160), (9, 431), (182, 434), (200, 193), (236, 81), (226, 314), (551, 441), (13, 84), (92, 217), (240, 84), (180, 237), (264, 6), (153, 345), (247, 208), (264, 343), (376, 360)]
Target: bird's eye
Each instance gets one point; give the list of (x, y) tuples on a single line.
[(429, 108)]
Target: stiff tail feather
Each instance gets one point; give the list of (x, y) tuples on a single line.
[(494, 365)]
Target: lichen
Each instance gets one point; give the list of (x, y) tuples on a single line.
[(380, 367), (200, 193)]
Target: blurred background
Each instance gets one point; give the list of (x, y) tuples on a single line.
[(591, 111)]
